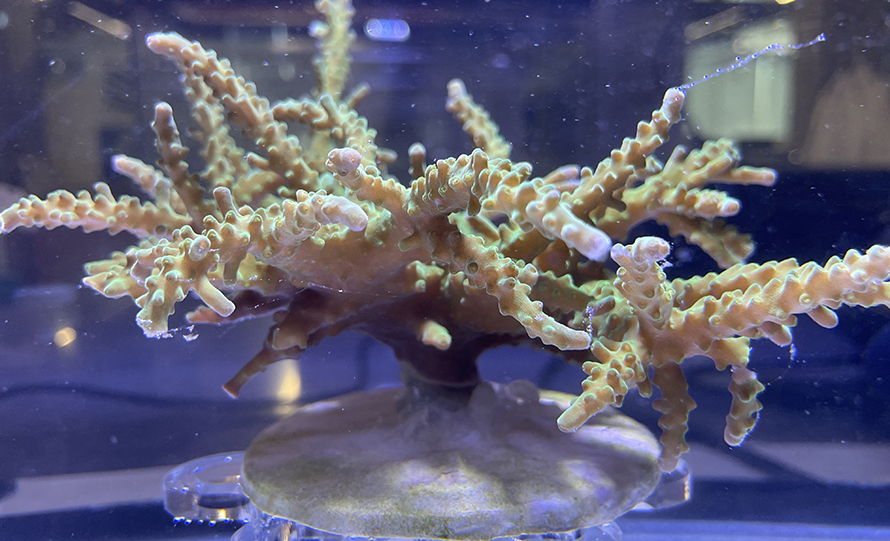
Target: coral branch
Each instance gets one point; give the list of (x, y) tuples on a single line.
[(92, 213), (662, 324), (628, 162), (334, 37), (244, 106), (476, 121)]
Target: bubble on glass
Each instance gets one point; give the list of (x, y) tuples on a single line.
[(287, 71), (57, 66)]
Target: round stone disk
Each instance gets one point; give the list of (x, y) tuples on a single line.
[(384, 463)]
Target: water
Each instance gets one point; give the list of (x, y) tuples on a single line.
[(94, 414)]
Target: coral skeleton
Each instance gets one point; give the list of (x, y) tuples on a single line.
[(470, 253)]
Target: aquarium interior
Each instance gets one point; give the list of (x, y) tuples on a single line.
[(92, 414)]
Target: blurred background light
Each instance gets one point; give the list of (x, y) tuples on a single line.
[(387, 29)]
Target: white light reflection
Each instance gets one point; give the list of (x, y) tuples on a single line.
[(109, 25), (387, 30)]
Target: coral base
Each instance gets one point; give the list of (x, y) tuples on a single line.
[(457, 463)]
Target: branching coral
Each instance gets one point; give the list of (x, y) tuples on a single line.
[(473, 253)]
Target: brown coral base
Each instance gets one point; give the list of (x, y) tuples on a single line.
[(464, 463)]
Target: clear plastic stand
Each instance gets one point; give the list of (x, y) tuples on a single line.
[(209, 490)]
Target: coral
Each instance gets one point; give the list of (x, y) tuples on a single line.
[(472, 253)]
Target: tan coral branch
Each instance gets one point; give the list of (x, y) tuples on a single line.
[(476, 121), (244, 105), (172, 161), (503, 279), (629, 161), (101, 212), (334, 37)]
